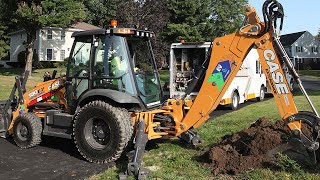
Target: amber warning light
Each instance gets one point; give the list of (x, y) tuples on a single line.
[(114, 23)]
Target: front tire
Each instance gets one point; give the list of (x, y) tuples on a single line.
[(234, 101), (262, 94), (101, 131), (27, 129)]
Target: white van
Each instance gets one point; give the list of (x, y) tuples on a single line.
[(186, 59)]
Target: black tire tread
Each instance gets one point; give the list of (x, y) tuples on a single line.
[(36, 127), (123, 122)]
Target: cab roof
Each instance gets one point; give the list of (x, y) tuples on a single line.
[(117, 31)]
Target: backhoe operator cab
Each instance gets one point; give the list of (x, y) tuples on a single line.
[(116, 64)]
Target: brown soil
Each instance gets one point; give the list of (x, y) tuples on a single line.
[(247, 149)]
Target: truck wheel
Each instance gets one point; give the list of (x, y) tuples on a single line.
[(234, 101), (101, 131), (27, 129), (262, 94)]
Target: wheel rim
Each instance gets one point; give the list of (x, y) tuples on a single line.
[(235, 101), (22, 132), (262, 94), (97, 133)]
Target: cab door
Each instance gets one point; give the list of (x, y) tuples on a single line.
[(79, 69)]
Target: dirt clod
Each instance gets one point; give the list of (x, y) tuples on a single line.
[(247, 149)]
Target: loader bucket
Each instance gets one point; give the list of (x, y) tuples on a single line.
[(3, 125)]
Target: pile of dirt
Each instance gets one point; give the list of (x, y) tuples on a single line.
[(247, 149)]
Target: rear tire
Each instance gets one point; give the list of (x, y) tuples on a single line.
[(262, 94), (27, 129), (234, 101), (101, 131)]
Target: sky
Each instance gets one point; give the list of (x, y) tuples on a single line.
[(300, 15)]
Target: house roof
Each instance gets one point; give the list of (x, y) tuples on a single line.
[(84, 26), (79, 25), (289, 39)]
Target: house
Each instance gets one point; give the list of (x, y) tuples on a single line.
[(52, 43), (303, 49)]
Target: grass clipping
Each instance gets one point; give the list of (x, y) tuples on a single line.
[(247, 149)]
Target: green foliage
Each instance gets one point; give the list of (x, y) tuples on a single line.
[(227, 15), (4, 41), (189, 20), (33, 15), (287, 164), (203, 20), (100, 12), (57, 13)]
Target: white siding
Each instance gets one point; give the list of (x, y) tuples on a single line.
[(306, 41), (16, 45), (42, 43), (56, 43)]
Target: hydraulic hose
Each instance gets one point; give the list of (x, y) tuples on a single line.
[(272, 10)]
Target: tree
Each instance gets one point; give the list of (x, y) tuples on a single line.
[(226, 16), (318, 36), (33, 15), (4, 40), (189, 20), (100, 12), (147, 14), (203, 20), (4, 44)]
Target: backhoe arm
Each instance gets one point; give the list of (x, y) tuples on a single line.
[(227, 56), (178, 116)]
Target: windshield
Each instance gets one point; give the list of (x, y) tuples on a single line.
[(144, 69), (111, 66)]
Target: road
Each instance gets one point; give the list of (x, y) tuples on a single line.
[(57, 158)]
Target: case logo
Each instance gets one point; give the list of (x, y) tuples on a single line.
[(277, 82)]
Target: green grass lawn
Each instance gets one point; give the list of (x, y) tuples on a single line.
[(314, 74), (173, 159), (7, 79), (164, 76)]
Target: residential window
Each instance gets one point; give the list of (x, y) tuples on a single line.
[(49, 54), (299, 49), (314, 49), (62, 54), (49, 34), (63, 35)]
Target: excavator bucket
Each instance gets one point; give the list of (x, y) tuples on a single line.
[(303, 146), (3, 129)]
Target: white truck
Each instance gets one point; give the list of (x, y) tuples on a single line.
[(187, 58)]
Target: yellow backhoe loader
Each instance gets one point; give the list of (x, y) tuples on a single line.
[(111, 94)]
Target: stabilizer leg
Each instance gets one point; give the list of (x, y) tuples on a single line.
[(134, 167)]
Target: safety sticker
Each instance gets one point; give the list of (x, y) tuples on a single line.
[(220, 74)]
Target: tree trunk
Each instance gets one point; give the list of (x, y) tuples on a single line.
[(31, 37)]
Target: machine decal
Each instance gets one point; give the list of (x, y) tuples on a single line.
[(220, 74), (277, 82), (21, 110), (36, 93), (54, 85)]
